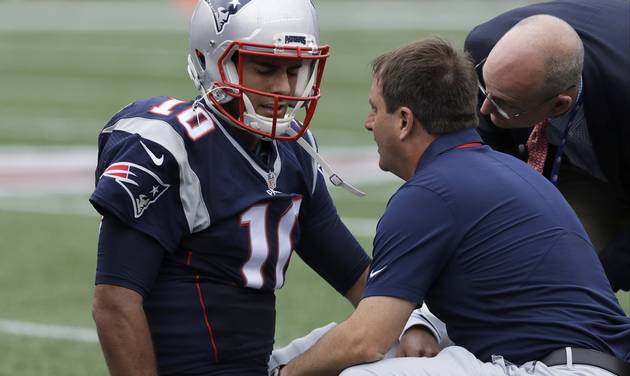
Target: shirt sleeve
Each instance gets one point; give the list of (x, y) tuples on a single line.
[(414, 240), (423, 317), (126, 257), (137, 181), (327, 245)]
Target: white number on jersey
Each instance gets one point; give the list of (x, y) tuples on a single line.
[(166, 108), (196, 121), (255, 219)]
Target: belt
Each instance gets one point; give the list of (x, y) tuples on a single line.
[(587, 357)]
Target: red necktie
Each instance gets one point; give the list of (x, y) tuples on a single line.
[(537, 146)]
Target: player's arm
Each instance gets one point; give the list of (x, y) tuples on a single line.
[(328, 247), (332, 251), (356, 291), (127, 265), (326, 244), (123, 331), (365, 337)]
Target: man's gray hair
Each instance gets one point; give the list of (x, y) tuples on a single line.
[(563, 70)]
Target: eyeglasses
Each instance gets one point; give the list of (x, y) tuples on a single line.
[(501, 111)]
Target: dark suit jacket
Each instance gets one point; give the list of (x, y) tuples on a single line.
[(604, 27)]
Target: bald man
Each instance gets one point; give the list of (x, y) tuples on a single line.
[(555, 92)]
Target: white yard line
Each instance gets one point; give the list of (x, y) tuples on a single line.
[(361, 227), (59, 179), (31, 329), (35, 171)]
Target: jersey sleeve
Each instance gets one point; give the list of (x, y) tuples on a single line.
[(414, 240), (126, 257), (138, 182), (326, 244)]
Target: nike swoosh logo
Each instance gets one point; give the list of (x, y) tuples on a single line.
[(156, 160), (374, 273)]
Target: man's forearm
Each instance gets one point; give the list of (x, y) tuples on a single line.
[(123, 331), (335, 351), (365, 337), (126, 343)]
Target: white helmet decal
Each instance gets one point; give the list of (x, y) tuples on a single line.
[(223, 10)]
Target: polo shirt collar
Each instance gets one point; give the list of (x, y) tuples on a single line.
[(446, 142)]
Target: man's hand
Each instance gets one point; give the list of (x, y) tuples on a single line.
[(418, 341)]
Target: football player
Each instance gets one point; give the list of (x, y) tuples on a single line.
[(204, 200)]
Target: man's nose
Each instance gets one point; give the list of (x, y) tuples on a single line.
[(281, 83), (486, 107), (369, 122)]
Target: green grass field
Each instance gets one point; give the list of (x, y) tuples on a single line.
[(59, 89)]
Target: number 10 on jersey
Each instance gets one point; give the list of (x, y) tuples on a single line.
[(255, 219)]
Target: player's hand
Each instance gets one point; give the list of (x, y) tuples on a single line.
[(418, 341)]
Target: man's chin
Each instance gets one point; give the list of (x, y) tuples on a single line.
[(498, 122), (382, 165)]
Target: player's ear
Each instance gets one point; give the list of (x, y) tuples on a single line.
[(406, 120)]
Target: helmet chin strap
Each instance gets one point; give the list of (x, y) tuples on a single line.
[(333, 177)]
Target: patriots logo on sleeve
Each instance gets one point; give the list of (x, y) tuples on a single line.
[(142, 185), (223, 10)]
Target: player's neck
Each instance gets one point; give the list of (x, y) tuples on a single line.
[(247, 140)]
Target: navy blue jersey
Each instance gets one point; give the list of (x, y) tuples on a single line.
[(498, 255), (223, 223)]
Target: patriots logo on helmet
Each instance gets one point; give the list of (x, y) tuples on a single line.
[(143, 186), (223, 10)]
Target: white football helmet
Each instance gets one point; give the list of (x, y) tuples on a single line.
[(222, 31)]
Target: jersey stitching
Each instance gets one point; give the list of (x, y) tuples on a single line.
[(204, 312)]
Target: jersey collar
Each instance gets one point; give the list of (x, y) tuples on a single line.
[(266, 175), (447, 142)]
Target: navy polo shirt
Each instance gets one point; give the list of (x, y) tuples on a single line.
[(497, 254)]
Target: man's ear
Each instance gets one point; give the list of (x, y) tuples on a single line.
[(406, 119), (561, 105)]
